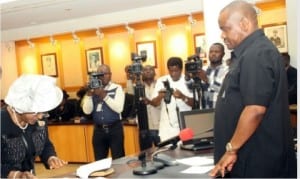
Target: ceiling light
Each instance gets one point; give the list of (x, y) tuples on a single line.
[(75, 38), (160, 25), (129, 29), (191, 20), (99, 34), (31, 44), (9, 46), (52, 40)]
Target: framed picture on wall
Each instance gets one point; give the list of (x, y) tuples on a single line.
[(200, 41), (94, 58), (278, 35), (150, 48), (49, 65)]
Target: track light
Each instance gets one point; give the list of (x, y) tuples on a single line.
[(99, 34), (75, 38), (8, 46), (31, 44), (191, 20), (52, 40), (129, 29), (160, 25)]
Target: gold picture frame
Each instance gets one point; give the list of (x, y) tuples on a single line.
[(150, 48), (49, 64), (200, 41), (277, 33), (94, 58)]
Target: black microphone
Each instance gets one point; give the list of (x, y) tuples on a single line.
[(184, 135)]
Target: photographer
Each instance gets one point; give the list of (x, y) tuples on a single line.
[(105, 102), (211, 79), (215, 74), (180, 98)]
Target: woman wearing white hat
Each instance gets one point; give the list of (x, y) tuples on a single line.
[(24, 134)]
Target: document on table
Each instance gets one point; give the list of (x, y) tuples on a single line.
[(199, 165)]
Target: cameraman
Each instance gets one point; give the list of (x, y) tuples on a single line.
[(106, 104), (214, 76), (180, 100)]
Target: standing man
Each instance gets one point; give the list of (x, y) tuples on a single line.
[(148, 77), (106, 104), (253, 136), (291, 73), (180, 99), (214, 76)]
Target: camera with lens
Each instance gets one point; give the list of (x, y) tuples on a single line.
[(137, 67), (194, 62), (169, 92), (95, 81)]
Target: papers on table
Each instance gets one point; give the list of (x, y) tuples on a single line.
[(199, 165)]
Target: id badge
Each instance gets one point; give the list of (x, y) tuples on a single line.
[(99, 107)]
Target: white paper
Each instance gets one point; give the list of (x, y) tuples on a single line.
[(198, 169), (199, 165), (197, 161)]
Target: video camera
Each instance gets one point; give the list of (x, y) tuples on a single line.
[(137, 67), (95, 81), (169, 92), (194, 62)]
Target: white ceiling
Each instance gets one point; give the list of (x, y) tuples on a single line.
[(20, 17), (23, 19), (22, 13)]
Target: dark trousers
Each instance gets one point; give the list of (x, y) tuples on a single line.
[(105, 138)]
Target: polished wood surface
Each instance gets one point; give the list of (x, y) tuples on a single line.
[(69, 142), (73, 141)]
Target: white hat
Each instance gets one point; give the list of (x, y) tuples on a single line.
[(34, 93)]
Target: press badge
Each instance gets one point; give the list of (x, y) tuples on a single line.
[(223, 94), (99, 107)]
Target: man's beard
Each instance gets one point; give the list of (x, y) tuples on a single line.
[(216, 62)]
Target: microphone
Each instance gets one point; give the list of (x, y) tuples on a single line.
[(158, 162), (184, 135)]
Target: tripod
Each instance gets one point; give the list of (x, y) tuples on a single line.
[(146, 137), (197, 92)]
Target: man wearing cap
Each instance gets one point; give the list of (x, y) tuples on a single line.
[(106, 104), (24, 134)]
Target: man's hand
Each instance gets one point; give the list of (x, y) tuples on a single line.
[(202, 75), (225, 164), (100, 92)]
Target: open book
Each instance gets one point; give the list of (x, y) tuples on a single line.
[(85, 170)]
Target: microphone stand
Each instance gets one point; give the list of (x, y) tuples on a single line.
[(144, 169)]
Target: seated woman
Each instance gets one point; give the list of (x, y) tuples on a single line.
[(24, 132)]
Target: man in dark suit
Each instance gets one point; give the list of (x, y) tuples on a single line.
[(291, 73)]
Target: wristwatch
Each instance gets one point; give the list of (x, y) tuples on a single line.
[(230, 149)]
